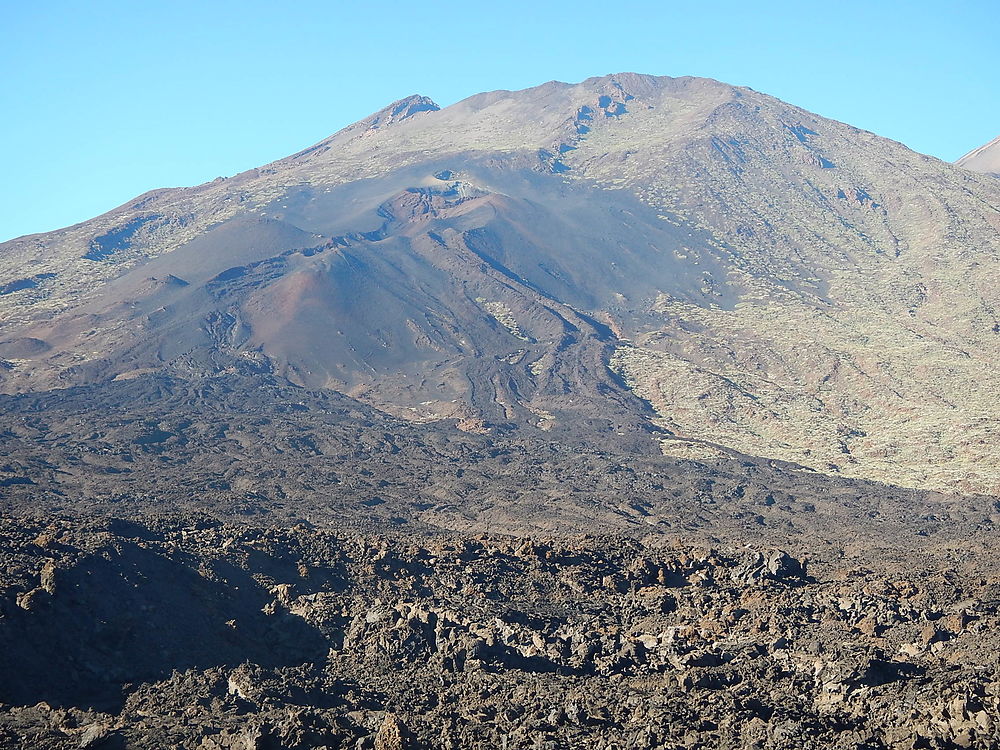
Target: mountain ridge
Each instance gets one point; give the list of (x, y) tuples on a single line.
[(985, 158)]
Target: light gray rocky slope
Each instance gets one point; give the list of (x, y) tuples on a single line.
[(985, 159)]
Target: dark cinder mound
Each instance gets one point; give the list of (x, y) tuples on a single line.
[(457, 291)]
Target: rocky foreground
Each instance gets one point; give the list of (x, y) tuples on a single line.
[(195, 633)]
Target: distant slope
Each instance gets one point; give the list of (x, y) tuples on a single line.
[(985, 159)]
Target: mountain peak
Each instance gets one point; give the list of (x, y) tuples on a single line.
[(630, 83), (985, 159), (399, 111)]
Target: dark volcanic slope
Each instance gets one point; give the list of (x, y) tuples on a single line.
[(249, 447), (460, 298)]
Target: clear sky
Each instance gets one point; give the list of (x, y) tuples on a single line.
[(105, 99)]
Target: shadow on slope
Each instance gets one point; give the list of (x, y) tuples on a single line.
[(129, 614)]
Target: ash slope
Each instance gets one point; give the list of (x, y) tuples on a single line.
[(985, 159), (758, 278)]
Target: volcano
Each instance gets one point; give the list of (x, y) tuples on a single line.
[(695, 266)]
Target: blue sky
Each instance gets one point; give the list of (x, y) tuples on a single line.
[(103, 100)]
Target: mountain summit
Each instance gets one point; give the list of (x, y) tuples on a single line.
[(985, 159), (690, 266), (387, 116)]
